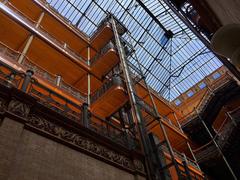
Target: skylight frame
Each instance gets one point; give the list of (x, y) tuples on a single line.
[(170, 69)]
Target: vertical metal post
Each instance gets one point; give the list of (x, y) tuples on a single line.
[(89, 77), (29, 41), (27, 80), (135, 109), (217, 146), (160, 123), (58, 80), (159, 159), (85, 117)]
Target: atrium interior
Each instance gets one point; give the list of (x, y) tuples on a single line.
[(119, 89)]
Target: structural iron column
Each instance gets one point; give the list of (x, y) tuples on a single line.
[(135, 108), (160, 122), (29, 41)]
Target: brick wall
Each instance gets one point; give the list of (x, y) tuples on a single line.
[(25, 155)]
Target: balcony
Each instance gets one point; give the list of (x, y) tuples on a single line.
[(22, 21), (109, 97), (104, 33), (105, 60), (177, 138), (204, 94), (42, 75), (226, 137), (50, 101), (52, 21), (180, 158), (113, 132)]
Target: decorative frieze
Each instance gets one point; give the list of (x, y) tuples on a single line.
[(3, 105), (19, 108), (84, 143)]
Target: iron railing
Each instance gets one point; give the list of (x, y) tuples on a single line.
[(106, 22), (61, 44), (114, 80), (13, 55), (111, 45), (105, 49), (50, 99), (150, 110), (229, 125), (113, 132), (180, 156), (207, 97), (54, 101)]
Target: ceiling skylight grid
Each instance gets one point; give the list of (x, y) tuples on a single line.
[(171, 66)]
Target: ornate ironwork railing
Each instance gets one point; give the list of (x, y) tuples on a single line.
[(106, 21), (111, 45), (50, 99), (10, 54), (113, 132), (56, 102), (180, 156), (105, 49), (229, 125), (114, 80), (207, 97)]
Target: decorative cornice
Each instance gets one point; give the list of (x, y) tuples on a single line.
[(85, 144)]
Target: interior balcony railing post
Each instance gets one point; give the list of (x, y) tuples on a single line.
[(216, 145), (27, 79), (135, 109), (85, 115), (88, 76), (58, 80)]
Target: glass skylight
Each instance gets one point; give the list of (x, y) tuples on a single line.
[(171, 65)]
